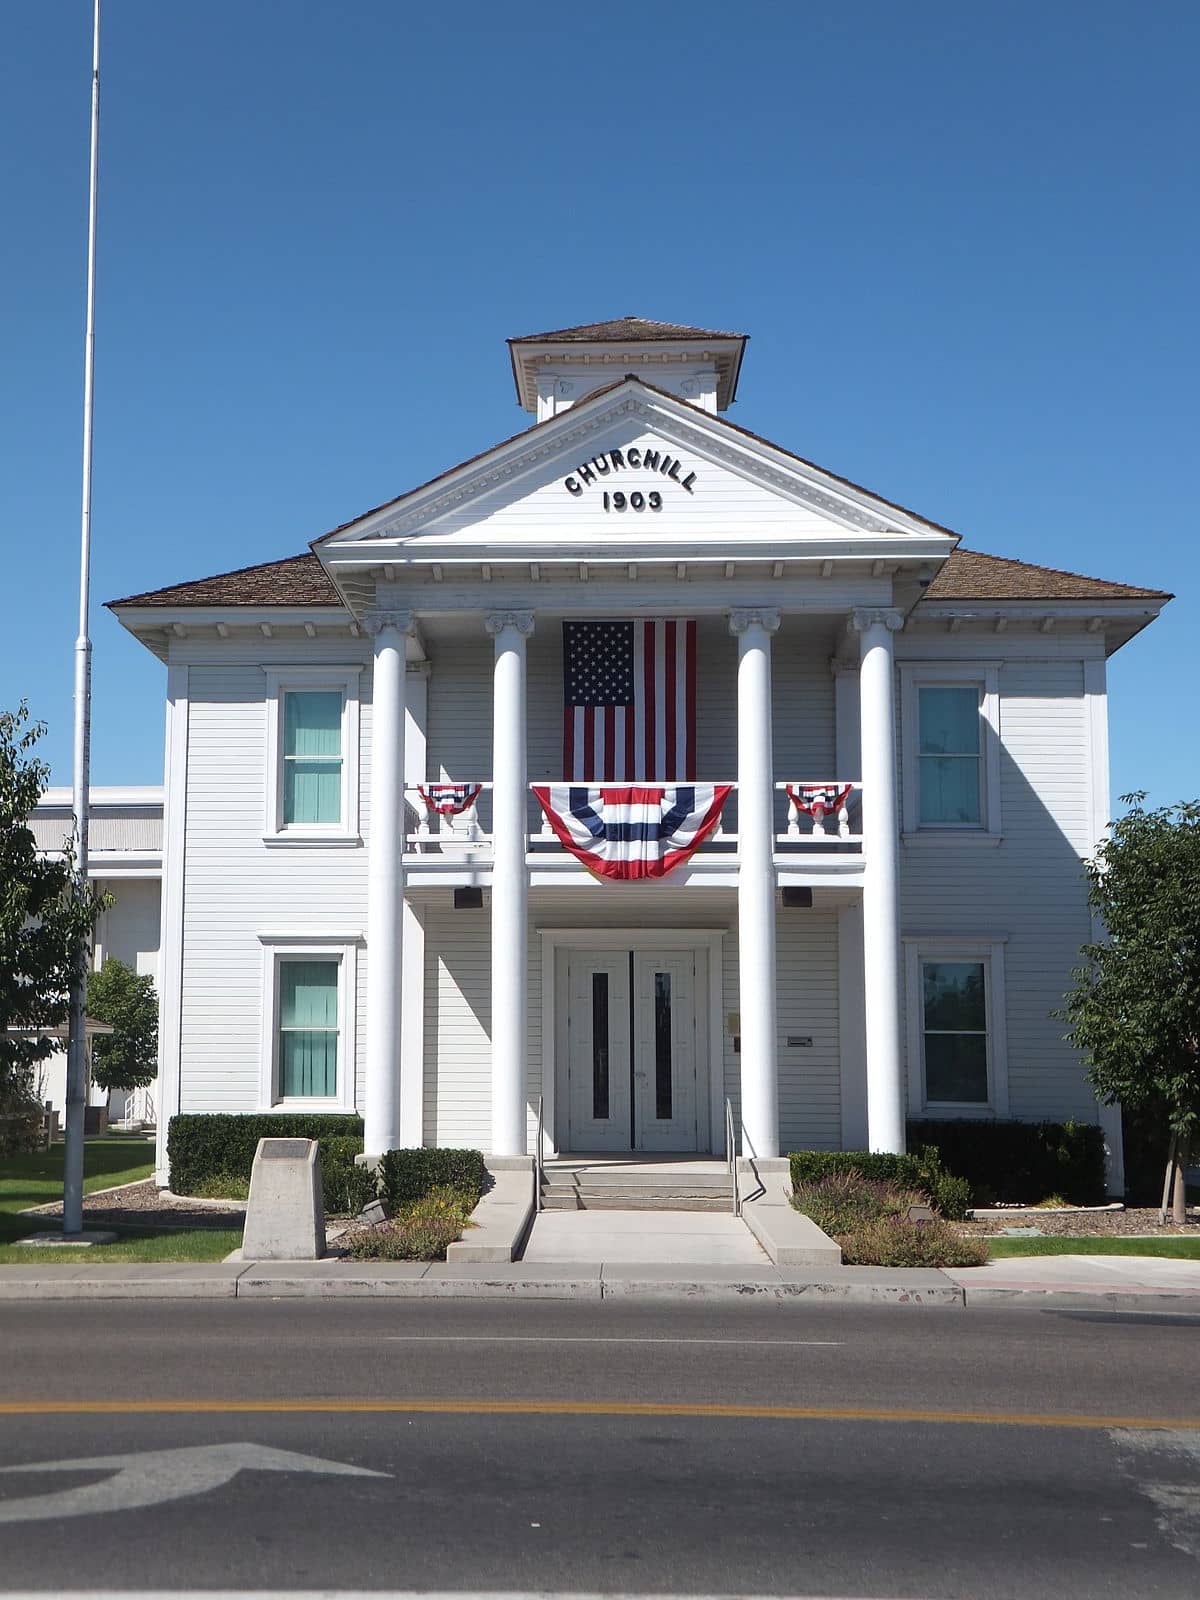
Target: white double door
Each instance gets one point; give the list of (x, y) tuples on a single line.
[(636, 1050)]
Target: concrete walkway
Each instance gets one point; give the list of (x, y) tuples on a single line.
[(622, 1238), (1039, 1282)]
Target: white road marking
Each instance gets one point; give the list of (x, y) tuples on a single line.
[(531, 1338), (150, 1477)]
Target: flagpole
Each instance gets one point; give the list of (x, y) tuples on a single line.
[(81, 776)]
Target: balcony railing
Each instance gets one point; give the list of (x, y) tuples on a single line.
[(809, 816)]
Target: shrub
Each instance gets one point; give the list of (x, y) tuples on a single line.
[(222, 1186), (843, 1201), (211, 1145), (894, 1241), (406, 1176), (921, 1169), (20, 1120), (441, 1202), (1020, 1161), (424, 1239), (346, 1186)]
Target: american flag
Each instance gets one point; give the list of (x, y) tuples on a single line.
[(629, 704)]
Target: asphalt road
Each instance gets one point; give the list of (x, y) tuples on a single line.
[(514, 1446)]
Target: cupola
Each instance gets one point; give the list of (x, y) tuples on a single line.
[(555, 370)]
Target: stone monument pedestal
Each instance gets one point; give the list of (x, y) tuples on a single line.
[(285, 1215)]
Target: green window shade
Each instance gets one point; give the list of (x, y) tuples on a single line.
[(312, 756), (308, 1029), (955, 1003), (949, 756)]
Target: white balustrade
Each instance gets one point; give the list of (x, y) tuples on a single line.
[(809, 826)]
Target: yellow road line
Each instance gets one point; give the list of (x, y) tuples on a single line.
[(580, 1408)]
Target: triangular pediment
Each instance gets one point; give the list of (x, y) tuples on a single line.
[(632, 467)]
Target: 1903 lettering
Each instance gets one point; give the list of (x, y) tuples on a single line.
[(617, 500)]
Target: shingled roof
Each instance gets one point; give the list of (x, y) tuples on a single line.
[(623, 330), (966, 575), (970, 575), (296, 581)]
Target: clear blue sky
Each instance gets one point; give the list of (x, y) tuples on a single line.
[(964, 239)]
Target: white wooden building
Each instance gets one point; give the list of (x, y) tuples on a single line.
[(329, 942)]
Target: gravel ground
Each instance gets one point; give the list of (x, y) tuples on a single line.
[(1086, 1224), (144, 1205)]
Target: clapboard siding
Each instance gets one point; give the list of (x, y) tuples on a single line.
[(1028, 889), (236, 886)]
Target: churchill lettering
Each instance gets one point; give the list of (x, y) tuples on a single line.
[(612, 462)]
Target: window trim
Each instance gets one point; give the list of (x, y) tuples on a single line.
[(278, 947), (988, 949), (281, 680), (984, 676)]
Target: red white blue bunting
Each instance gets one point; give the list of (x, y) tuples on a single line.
[(815, 799), (628, 833), (449, 799)]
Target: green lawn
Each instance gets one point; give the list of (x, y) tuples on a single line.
[(36, 1180), (1177, 1246)]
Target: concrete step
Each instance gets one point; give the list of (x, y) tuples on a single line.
[(630, 1178)]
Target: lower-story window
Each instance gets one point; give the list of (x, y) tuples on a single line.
[(308, 1029), (309, 1006), (956, 1033), (954, 1005)]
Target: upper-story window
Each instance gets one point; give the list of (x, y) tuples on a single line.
[(951, 749), (312, 756)]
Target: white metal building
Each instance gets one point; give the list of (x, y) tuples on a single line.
[(330, 941)]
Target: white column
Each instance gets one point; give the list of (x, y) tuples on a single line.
[(385, 885), (756, 883), (510, 882), (412, 959), (881, 891)]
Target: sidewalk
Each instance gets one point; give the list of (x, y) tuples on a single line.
[(1040, 1282)]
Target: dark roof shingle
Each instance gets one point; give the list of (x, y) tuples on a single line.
[(625, 330), (971, 575), (295, 581)]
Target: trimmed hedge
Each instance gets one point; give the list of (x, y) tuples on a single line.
[(1020, 1161), (920, 1169), (208, 1145), (406, 1176), (346, 1187)]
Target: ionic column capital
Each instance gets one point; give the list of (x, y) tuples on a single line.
[(764, 617), (864, 617), (497, 621), (401, 621)]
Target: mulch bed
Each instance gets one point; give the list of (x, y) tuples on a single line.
[(1086, 1224), (145, 1205)]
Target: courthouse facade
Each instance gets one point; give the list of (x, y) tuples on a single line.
[(634, 768)]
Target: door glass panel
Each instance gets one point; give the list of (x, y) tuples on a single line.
[(662, 1046), (600, 1046)]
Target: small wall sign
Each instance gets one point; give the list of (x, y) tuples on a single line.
[(589, 473)]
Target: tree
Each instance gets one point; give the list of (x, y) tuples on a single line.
[(1135, 1006), (127, 1058), (46, 914)]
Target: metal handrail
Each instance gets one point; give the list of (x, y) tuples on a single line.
[(537, 1159), (731, 1155)]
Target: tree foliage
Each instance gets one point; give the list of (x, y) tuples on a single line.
[(127, 1058), (46, 915), (1135, 1006)]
